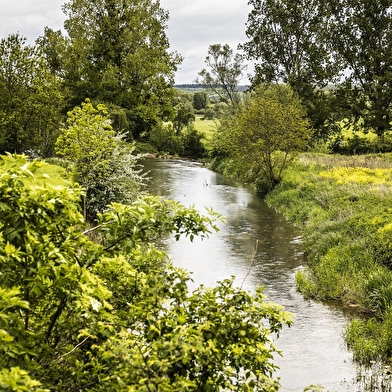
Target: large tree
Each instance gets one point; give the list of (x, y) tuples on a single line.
[(361, 36), (288, 44), (121, 51), (223, 73), (286, 41), (29, 99)]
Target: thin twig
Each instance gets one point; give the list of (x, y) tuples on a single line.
[(78, 345), (252, 259), (91, 229)]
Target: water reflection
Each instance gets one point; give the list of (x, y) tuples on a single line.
[(258, 247)]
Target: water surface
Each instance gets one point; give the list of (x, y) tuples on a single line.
[(259, 247)]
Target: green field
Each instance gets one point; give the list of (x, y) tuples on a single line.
[(207, 127)]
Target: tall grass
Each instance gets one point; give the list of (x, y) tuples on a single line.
[(344, 207)]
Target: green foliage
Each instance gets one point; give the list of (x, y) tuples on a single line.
[(119, 55), (163, 137), (30, 99), (365, 91), (188, 143), (200, 100), (343, 206), (262, 139), (18, 380), (184, 116), (378, 290), (114, 314), (192, 142), (287, 42), (101, 162), (355, 143), (223, 73), (305, 44)]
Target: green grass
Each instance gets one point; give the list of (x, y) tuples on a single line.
[(343, 206), (208, 127)]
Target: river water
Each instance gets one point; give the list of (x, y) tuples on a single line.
[(259, 247)]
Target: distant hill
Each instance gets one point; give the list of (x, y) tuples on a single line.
[(193, 88)]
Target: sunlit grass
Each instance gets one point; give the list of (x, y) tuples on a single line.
[(343, 206), (371, 161), (207, 127), (52, 174)]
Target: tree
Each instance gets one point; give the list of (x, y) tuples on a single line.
[(200, 100), (121, 52), (192, 143), (114, 314), (223, 74), (30, 100), (101, 162), (287, 39), (184, 116), (264, 136), (361, 35)]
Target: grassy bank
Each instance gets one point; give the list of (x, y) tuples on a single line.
[(344, 208)]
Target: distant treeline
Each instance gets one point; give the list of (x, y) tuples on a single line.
[(200, 87)]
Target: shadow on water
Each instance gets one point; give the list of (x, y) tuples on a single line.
[(259, 247)]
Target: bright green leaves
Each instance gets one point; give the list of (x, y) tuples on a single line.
[(114, 314), (263, 137), (213, 339), (18, 380), (88, 136), (99, 160), (87, 140), (150, 218)]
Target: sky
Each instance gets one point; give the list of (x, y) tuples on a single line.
[(193, 26)]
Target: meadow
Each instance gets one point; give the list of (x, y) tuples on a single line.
[(344, 207), (206, 127)]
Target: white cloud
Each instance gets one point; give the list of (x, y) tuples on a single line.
[(192, 27), (30, 17)]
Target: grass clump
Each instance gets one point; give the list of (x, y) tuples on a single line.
[(343, 206)]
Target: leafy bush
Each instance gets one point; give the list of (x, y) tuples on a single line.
[(193, 146), (113, 314), (163, 137), (98, 159), (264, 136)]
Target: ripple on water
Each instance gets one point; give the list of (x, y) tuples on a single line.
[(258, 246)]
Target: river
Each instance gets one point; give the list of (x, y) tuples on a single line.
[(259, 247)]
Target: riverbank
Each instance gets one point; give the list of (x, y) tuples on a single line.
[(258, 246), (343, 206)]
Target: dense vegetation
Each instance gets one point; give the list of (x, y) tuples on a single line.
[(343, 207), (100, 306)]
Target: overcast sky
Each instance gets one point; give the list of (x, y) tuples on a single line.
[(193, 26)]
